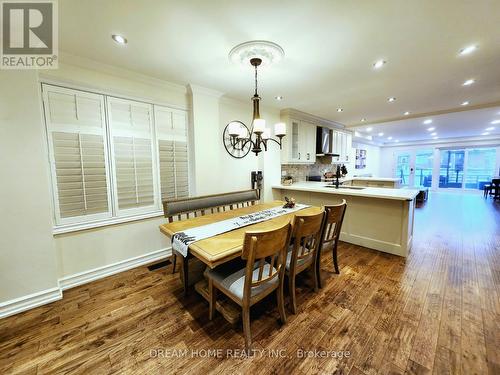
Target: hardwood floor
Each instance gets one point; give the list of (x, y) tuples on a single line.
[(438, 311)]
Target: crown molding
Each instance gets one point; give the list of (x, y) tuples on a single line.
[(83, 62), (200, 90), (426, 114), (291, 112)]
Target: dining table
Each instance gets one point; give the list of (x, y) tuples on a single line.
[(222, 248)]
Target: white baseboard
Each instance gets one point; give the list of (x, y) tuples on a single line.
[(31, 301), (17, 305), (71, 281)]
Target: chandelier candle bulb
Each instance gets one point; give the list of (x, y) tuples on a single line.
[(259, 125), (280, 129), (234, 129), (243, 133)]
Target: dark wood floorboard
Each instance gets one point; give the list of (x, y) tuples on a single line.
[(438, 311)]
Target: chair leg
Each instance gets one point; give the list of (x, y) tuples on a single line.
[(315, 276), (291, 287), (212, 292), (175, 262), (281, 303), (318, 270), (246, 327), (335, 261)]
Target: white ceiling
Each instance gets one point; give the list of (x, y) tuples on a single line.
[(472, 123), (329, 45)]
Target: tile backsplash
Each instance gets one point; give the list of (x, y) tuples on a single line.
[(300, 172)]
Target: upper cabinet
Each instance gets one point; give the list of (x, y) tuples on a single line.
[(342, 143), (299, 146)]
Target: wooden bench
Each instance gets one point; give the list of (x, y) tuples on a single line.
[(185, 208)]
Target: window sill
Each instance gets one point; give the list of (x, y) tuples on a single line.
[(68, 228)]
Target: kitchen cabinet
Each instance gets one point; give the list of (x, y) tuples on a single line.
[(299, 146), (342, 144)]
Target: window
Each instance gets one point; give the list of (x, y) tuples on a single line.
[(423, 168), (131, 135), (403, 168), (451, 172), (173, 152), (480, 167), (112, 158)]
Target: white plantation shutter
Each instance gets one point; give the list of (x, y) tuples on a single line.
[(112, 158), (171, 131), (134, 157), (76, 128)]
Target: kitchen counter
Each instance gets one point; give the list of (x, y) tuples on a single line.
[(369, 192), (377, 218)]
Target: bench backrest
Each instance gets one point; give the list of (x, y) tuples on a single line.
[(198, 206)]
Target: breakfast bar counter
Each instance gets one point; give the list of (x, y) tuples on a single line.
[(377, 218)]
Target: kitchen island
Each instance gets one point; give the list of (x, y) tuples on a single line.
[(377, 218)]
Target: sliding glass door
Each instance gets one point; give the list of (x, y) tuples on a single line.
[(451, 170), (414, 168), (424, 160), (467, 168), (403, 168), (480, 167)]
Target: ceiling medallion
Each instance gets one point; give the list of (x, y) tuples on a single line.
[(268, 52), (238, 138)]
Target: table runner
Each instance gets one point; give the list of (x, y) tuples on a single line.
[(182, 240)]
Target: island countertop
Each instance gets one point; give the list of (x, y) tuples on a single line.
[(369, 192)]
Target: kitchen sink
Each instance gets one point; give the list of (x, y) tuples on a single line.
[(346, 187)]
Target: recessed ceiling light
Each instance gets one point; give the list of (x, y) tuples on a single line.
[(397, 140), (435, 137), (494, 122), (119, 39), (378, 64), (465, 103), (467, 50), (431, 129), (340, 109), (490, 128), (485, 133), (391, 99), (428, 121), (380, 134), (389, 138), (406, 113), (363, 119), (434, 134), (468, 82), (279, 97), (369, 129)]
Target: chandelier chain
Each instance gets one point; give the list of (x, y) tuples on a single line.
[(256, 81)]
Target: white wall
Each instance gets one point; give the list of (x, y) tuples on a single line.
[(373, 161), (27, 255)]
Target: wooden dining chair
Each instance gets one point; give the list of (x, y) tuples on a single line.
[(334, 217), (264, 253), (301, 255), (186, 208)]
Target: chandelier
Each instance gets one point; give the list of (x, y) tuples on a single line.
[(239, 139)]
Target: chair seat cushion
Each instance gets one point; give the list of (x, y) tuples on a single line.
[(234, 281), (299, 261)]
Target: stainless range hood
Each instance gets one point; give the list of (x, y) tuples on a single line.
[(324, 142)]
